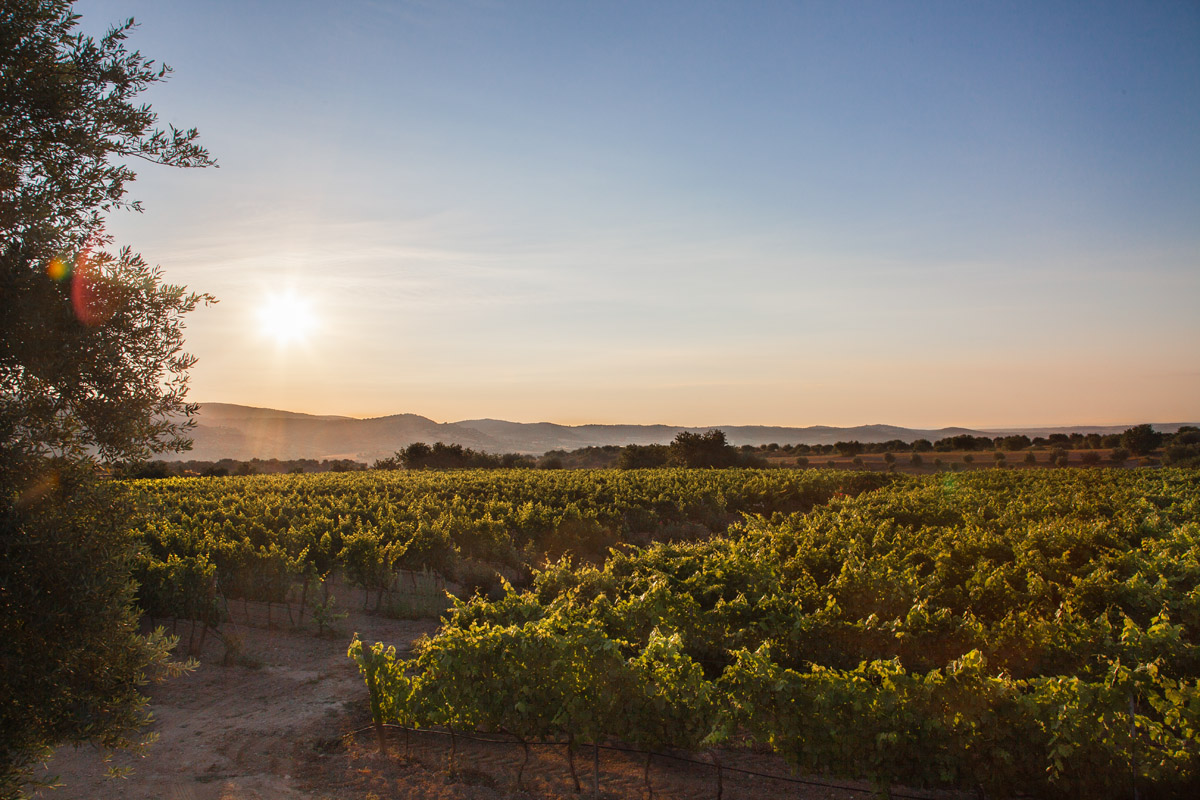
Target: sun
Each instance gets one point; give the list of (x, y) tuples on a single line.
[(286, 317)]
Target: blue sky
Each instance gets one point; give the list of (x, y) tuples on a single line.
[(696, 213)]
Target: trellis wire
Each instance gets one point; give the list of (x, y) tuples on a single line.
[(496, 739)]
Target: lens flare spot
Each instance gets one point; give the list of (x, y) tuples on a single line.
[(58, 270), (38, 488), (94, 295)]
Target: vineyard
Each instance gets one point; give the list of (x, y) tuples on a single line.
[(1002, 632), (280, 539)]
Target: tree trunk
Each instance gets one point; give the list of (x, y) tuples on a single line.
[(595, 769), (646, 775)]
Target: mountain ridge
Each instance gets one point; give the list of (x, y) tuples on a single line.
[(227, 430)]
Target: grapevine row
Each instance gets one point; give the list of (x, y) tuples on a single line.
[(276, 538)]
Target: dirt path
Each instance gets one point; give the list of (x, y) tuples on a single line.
[(244, 731), (273, 726)]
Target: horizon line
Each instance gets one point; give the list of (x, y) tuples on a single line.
[(1000, 428)]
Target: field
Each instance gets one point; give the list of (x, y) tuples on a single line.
[(1001, 631)]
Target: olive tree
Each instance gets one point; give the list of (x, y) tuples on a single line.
[(92, 371)]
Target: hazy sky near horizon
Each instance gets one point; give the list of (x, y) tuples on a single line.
[(923, 214)]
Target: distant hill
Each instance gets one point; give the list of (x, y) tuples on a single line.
[(224, 430), (241, 432)]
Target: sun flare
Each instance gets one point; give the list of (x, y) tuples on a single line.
[(286, 318)]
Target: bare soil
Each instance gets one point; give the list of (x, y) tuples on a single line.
[(259, 728), (279, 722)]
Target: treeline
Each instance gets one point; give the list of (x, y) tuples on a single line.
[(700, 450), (440, 455), (711, 449), (1138, 440), (695, 450)]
